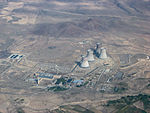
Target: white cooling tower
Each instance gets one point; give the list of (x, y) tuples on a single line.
[(90, 55), (97, 45), (84, 62), (98, 49), (103, 54)]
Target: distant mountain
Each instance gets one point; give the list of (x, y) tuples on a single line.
[(93, 24), (102, 23), (133, 7), (141, 6), (67, 29), (71, 29)]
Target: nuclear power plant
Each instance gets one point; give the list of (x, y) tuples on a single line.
[(99, 52), (103, 54), (90, 55), (84, 62)]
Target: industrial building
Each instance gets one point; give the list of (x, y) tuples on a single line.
[(45, 76), (15, 56)]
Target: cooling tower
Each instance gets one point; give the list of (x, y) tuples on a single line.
[(103, 54), (97, 45), (97, 51), (84, 62), (90, 55)]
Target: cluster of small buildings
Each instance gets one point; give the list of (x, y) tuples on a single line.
[(39, 76), (15, 57), (69, 82), (56, 80), (99, 52)]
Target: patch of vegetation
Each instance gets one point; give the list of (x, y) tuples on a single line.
[(57, 88), (120, 87), (85, 83), (72, 109), (148, 86), (130, 109), (125, 104), (61, 80), (51, 47), (58, 111), (81, 109), (20, 110)]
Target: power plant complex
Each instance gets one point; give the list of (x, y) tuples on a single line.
[(99, 52)]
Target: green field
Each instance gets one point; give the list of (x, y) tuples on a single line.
[(72, 109), (126, 104)]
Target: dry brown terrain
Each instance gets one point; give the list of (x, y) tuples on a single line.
[(53, 34)]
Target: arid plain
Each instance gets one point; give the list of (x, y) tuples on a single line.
[(48, 37)]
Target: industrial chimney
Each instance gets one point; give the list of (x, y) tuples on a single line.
[(90, 55), (103, 54), (84, 62)]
